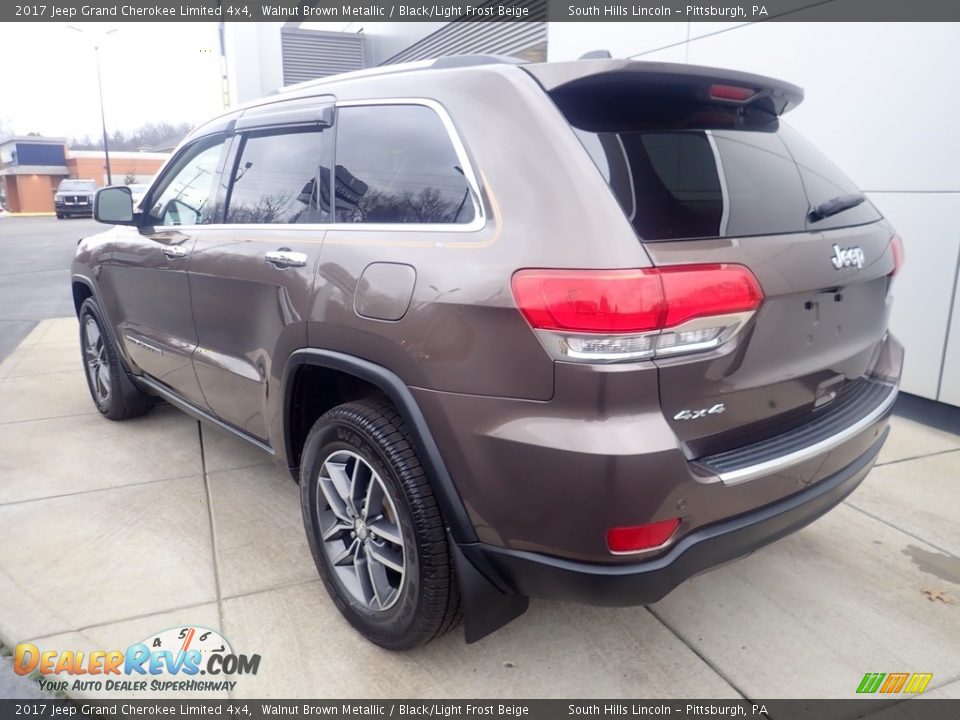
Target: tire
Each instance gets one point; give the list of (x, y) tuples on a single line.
[(397, 610), (112, 392), (59, 216)]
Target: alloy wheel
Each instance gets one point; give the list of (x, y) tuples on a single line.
[(360, 530)]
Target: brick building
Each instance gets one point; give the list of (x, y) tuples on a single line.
[(31, 168)]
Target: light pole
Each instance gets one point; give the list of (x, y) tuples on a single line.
[(103, 117)]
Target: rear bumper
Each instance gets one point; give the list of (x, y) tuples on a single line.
[(543, 576)]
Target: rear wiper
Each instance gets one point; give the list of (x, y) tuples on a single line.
[(835, 205)]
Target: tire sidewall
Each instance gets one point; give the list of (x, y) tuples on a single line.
[(89, 309), (387, 626)]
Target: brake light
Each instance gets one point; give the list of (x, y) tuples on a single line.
[(731, 92), (610, 315), (896, 245), (641, 537), (699, 290), (590, 300)]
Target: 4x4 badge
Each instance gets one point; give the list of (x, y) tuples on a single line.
[(703, 412), (847, 257)]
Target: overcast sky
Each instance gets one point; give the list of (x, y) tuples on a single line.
[(151, 72)]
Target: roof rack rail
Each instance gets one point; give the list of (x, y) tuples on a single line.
[(452, 61), (596, 55), (458, 61), (351, 74)]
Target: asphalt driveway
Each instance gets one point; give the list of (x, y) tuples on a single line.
[(35, 254), (111, 532)]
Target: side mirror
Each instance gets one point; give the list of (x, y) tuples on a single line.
[(114, 205)]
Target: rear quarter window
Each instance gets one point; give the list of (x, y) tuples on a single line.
[(397, 164)]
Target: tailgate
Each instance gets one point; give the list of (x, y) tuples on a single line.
[(707, 174)]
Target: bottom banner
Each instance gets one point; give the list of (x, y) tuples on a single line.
[(913, 709)]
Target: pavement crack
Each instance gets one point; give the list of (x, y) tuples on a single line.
[(284, 586), (94, 490), (900, 529), (213, 532), (117, 621), (917, 457), (709, 663)]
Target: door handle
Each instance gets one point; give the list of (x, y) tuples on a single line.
[(284, 258), (174, 251)]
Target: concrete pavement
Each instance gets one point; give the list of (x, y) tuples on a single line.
[(114, 531)]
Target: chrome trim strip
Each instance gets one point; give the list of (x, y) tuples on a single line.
[(751, 472)]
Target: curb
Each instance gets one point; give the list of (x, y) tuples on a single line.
[(29, 214)]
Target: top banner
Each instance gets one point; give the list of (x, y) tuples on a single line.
[(75, 11)]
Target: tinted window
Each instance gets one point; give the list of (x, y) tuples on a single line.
[(187, 191), (275, 179), (396, 164), (718, 183), (823, 180)]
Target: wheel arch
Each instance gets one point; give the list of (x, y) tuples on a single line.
[(83, 288), (399, 394)]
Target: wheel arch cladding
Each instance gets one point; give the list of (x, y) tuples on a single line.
[(488, 603), (397, 392)]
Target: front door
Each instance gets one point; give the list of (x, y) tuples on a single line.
[(251, 277), (144, 281)]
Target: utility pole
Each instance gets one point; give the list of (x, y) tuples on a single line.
[(103, 115)]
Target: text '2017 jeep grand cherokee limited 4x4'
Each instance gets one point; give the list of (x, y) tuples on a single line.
[(571, 330)]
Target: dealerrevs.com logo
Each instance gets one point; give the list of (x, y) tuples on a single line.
[(181, 659)]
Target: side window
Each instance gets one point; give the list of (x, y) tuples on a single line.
[(187, 196), (275, 179), (397, 164)]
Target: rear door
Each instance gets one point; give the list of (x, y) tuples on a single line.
[(251, 275), (707, 173)]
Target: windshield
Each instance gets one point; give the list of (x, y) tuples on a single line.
[(684, 184), (72, 185)]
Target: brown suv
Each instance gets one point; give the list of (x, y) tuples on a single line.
[(573, 330)]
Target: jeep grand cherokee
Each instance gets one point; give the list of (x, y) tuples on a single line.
[(574, 330)]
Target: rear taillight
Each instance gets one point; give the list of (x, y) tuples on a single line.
[(896, 245), (641, 537), (590, 300), (610, 315)]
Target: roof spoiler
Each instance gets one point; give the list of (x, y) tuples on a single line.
[(664, 94)]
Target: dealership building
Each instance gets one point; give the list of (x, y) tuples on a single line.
[(32, 166)]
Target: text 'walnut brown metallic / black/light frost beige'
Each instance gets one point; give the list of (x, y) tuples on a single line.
[(571, 330)]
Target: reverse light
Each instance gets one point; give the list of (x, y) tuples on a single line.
[(616, 315), (641, 537), (896, 245)]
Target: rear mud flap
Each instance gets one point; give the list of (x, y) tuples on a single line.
[(488, 604)]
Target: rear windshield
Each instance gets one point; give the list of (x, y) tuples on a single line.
[(78, 185), (689, 183)]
